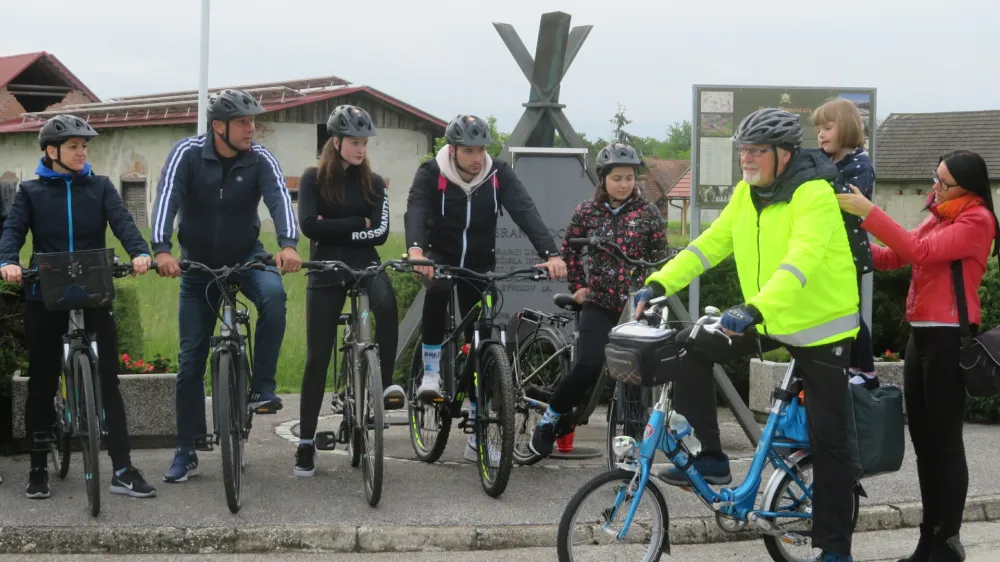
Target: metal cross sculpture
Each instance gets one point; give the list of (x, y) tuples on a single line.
[(543, 115)]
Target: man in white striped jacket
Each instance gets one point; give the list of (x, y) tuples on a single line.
[(214, 183)]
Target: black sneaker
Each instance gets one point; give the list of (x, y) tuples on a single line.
[(38, 484), (304, 465), (542, 438), (131, 482)]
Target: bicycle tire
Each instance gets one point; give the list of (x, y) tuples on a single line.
[(774, 544), (502, 382), (350, 414), (548, 336), (230, 430), (416, 410), (62, 432), (372, 461), (567, 522), (91, 438)]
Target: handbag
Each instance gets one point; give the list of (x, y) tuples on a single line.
[(978, 354)]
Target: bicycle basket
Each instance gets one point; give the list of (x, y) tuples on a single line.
[(642, 355), (76, 280)]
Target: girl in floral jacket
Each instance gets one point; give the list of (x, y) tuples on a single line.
[(620, 213)]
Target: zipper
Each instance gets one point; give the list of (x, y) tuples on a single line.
[(69, 210), (468, 215), (759, 213)]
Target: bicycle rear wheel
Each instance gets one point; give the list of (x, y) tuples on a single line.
[(230, 428), (373, 426), (537, 362), (627, 415), (90, 431), (62, 431), (429, 423), (495, 421)]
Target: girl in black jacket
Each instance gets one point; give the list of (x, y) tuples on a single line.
[(69, 208), (344, 210)]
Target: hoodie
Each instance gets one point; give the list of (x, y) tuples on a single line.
[(456, 220), (66, 213)]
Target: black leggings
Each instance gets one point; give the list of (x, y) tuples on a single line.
[(935, 409), (45, 330), (323, 308), (861, 350), (595, 324)]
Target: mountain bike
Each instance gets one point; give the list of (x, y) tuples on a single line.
[(544, 356), (72, 282), (361, 376), (231, 358), (618, 493), (484, 368)]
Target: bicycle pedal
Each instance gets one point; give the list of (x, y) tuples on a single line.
[(325, 441), (265, 410)]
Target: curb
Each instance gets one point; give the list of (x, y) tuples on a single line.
[(388, 538)]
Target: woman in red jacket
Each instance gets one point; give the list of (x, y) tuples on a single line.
[(961, 225)]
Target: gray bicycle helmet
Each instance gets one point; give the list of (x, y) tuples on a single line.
[(350, 121), (61, 128), (617, 154), (468, 130), (770, 126), (232, 104)]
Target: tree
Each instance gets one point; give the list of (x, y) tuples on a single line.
[(619, 121), (494, 148)]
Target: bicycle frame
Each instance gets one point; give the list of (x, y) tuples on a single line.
[(361, 330)]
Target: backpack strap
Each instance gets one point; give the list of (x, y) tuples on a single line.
[(442, 183)]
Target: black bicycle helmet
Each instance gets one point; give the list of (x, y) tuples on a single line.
[(468, 130), (232, 104), (617, 154), (61, 128), (350, 121), (770, 126)]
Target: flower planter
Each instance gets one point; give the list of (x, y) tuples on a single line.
[(149, 407), (765, 376)]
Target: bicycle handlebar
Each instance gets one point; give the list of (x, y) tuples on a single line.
[(259, 263), (118, 270), (606, 244), (372, 270)]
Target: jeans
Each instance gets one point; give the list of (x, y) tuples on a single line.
[(197, 316)]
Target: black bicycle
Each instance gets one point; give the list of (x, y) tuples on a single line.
[(360, 377), (232, 356), (544, 353), (72, 282), (484, 369)]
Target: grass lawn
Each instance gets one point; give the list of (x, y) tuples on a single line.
[(158, 302)]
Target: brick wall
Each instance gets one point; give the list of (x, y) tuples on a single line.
[(9, 106)]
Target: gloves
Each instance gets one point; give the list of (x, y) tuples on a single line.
[(644, 294), (739, 318)]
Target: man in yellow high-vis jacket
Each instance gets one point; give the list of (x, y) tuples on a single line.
[(796, 271)]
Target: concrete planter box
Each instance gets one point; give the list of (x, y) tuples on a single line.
[(149, 407), (766, 375)]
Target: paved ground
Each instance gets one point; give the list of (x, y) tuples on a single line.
[(440, 505)]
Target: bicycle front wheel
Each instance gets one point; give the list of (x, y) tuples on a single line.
[(90, 431), (230, 428), (595, 515), (541, 364), (495, 420), (373, 424)]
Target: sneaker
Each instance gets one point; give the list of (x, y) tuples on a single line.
[(264, 402), (394, 398), (430, 387), (713, 470), (472, 452), (131, 482), (831, 557), (38, 484), (184, 465), (542, 438), (304, 465)]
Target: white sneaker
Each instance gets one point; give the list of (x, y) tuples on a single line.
[(430, 386), (472, 452)]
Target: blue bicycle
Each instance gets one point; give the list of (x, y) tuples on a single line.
[(632, 518)]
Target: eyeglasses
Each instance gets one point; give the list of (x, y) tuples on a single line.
[(944, 184), (753, 152)]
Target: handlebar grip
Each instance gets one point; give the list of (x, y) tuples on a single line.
[(411, 261), (577, 243)]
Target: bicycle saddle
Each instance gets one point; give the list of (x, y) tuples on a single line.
[(566, 302)]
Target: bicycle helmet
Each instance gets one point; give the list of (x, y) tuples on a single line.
[(232, 104), (617, 154), (61, 128), (468, 130), (770, 126), (350, 121)]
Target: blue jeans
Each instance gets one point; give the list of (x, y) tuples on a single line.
[(196, 322)]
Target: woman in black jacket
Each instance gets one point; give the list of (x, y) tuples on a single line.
[(344, 210), (69, 208)]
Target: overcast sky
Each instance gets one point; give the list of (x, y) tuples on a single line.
[(445, 57)]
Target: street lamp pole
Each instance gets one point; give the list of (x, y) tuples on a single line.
[(203, 72)]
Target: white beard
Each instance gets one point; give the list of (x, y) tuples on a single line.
[(751, 177)]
